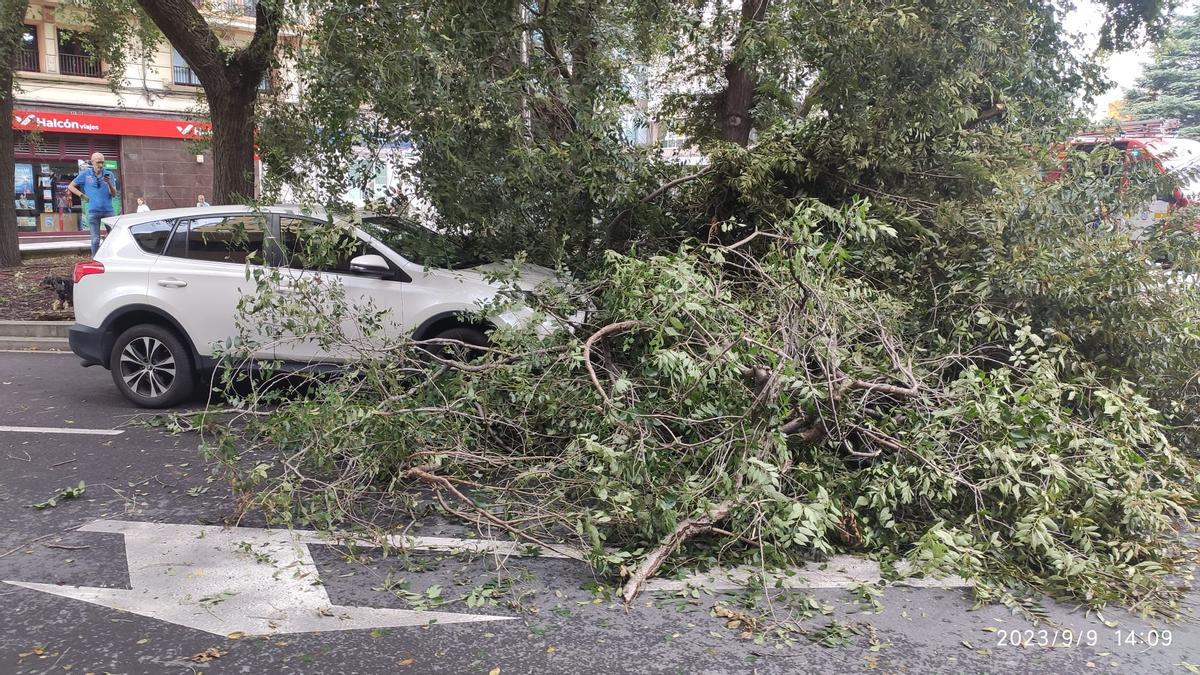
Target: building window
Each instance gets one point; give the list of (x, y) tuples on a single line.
[(184, 75), (28, 60), (234, 7), (73, 56)]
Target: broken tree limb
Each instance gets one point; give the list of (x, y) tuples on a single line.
[(885, 388), (678, 181), (591, 341), (684, 531), (484, 515)]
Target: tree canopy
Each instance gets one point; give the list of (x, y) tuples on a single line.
[(1170, 86), (882, 313)]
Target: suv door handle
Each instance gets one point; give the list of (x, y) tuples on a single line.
[(172, 283)]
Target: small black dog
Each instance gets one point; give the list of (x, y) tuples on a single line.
[(64, 288)]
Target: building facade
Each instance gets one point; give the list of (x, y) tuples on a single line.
[(150, 128)]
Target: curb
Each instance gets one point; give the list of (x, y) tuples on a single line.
[(41, 336), (37, 344), (37, 329)]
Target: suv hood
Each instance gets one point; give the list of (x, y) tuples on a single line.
[(529, 276)]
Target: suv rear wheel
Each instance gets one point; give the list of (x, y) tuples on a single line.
[(152, 367)]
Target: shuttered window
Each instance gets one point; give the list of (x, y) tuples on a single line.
[(68, 147)]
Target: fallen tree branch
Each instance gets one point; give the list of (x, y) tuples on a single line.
[(678, 181), (490, 517), (595, 337), (884, 387), (813, 429), (684, 531)]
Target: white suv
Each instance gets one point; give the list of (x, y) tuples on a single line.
[(164, 287)]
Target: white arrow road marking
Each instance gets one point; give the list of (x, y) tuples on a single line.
[(62, 430), (261, 582), (218, 580)]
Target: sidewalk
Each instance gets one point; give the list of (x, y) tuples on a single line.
[(40, 247)]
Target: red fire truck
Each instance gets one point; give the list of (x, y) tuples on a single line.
[(1154, 141)]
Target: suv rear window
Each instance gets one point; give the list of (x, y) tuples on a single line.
[(152, 236), (228, 239)]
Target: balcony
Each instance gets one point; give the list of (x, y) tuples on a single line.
[(28, 60), (82, 66), (186, 76)]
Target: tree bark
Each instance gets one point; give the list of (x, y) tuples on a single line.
[(685, 530), (12, 14), (233, 146), (738, 97), (230, 81)]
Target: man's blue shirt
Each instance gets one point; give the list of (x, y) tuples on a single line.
[(99, 200)]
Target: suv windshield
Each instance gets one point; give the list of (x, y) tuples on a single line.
[(420, 244)]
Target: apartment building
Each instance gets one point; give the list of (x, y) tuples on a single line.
[(148, 129)]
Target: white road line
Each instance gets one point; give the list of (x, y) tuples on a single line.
[(36, 351), (840, 571), (59, 430)]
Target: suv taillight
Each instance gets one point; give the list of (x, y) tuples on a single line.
[(85, 268)]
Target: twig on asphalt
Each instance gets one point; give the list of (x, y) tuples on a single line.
[(60, 657), (65, 461), (65, 547), (26, 458), (29, 543), (127, 500)]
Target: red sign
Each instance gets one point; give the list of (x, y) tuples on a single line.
[(108, 125)]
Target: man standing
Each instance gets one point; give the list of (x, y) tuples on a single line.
[(201, 201), (99, 188)]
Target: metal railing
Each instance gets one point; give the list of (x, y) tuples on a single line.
[(186, 76), (28, 60), (83, 66)]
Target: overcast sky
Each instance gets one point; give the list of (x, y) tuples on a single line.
[(1124, 67)]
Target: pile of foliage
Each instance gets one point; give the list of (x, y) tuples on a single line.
[(900, 321), (769, 393)]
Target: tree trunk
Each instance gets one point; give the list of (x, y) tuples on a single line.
[(233, 146), (12, 21), (230, 80), (738, 97)]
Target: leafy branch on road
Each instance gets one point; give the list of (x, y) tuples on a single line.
[(65, 493)]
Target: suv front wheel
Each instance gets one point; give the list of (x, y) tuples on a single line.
[(152, 367)]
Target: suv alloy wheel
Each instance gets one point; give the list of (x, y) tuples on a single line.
[(151, 367)]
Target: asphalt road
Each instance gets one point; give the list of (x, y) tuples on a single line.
[(556, 619)]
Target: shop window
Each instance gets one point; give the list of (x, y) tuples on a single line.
[(43, 202), (28, 60), (75, 57)]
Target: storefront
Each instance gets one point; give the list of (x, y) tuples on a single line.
[(153, 158)]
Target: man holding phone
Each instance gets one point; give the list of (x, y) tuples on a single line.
[(99, 187)]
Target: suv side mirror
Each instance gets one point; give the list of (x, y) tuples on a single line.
[(370, 264)]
